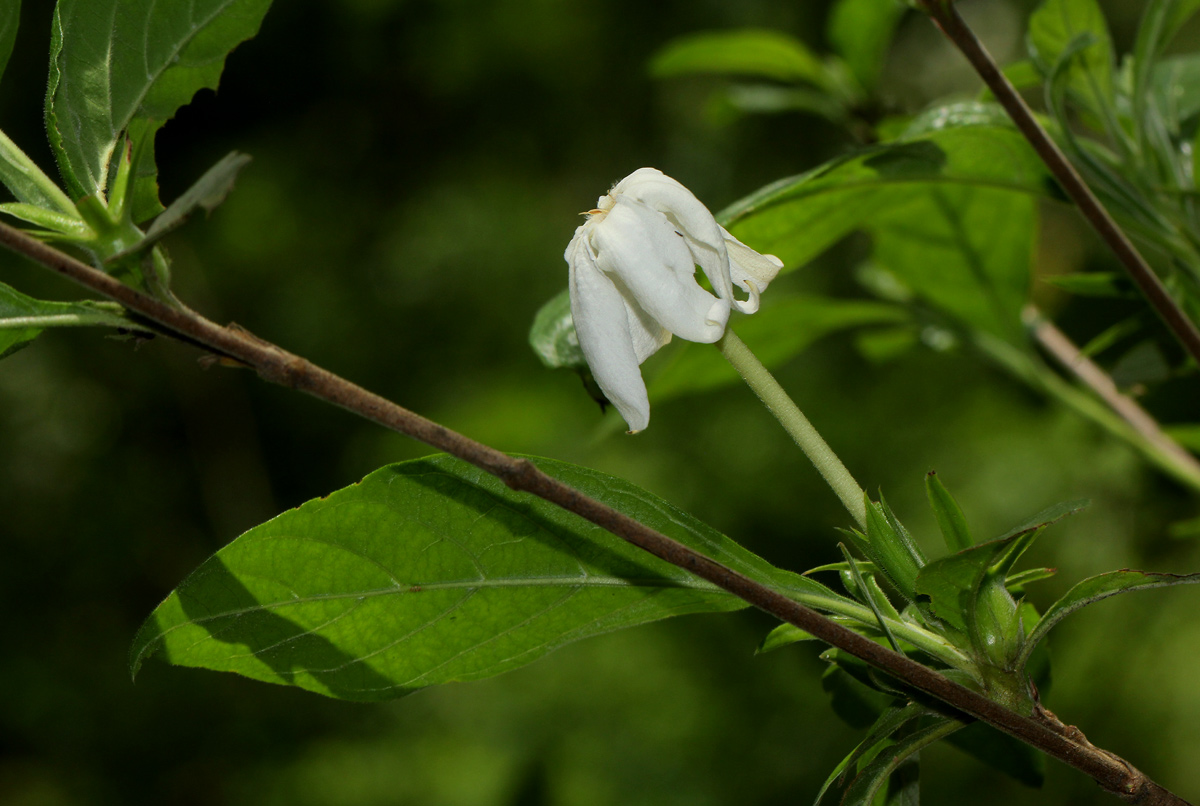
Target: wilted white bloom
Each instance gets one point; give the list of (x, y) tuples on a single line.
[(633, 265)]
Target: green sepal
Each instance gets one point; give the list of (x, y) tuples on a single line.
[(892, 549), (949, 516)]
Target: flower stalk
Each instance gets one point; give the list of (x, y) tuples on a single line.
[(777, 401)]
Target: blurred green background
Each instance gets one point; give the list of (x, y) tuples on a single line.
[(418, 167)]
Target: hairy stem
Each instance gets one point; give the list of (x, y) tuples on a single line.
[(276, 365), (945, 15), (777, 401)]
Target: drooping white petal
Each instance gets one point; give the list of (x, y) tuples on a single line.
[(691, 218), (749, 270), (602, 322), (648, 259)]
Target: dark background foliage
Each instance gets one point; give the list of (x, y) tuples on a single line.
[(417, 169)]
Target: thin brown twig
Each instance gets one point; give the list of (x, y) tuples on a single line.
[(279, 366), (945, 15), (1058, 345)]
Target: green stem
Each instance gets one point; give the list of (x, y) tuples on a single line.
[(760, 379)]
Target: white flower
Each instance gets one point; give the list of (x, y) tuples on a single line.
[(633, 265)]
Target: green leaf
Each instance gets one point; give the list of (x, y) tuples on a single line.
[(23, 318), (891, 720), (966, 250), (799, 217), (207, 193), (958, 114), (967, 591), (1160, 22), (1186, 434), (781, 330), (874, 776), (63, 227), (949, 516), (1048, 516), (428, 572), (761, 53), (10, 17), (788, 634), (1017, 582), (1091, 284), (875, 598), (553, 337), (126, 66), (1052, 29), (860, 32), (26, 181), (1094, 589)]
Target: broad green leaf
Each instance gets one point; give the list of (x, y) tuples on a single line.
[(799, 217), (1095, 589), (891, 720), (553, 337), (874, 777), (949, 516), (10, 17), (122, 67), (761, 53), (781, 330), (956, 115), (967, 250), (1052, 29), (861, 31), (433, 571)]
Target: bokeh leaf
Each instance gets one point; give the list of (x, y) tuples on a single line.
[(428, 572), (747, 52), (781, 330), (552, 335), (799, 217), (10, 17), (1094, 589), (861, 31), (126, 66), (1053, 27)]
